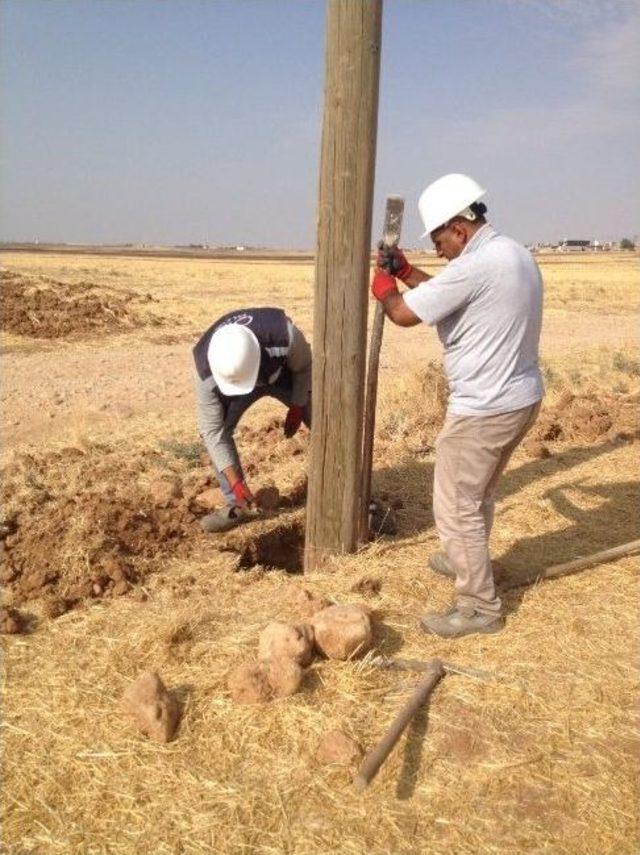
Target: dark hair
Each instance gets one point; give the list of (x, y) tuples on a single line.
[(479, 209)]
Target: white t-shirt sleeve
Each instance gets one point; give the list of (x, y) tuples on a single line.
[(446, 292)]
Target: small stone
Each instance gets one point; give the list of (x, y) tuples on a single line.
[(209, 500), (267, 498), (368, 585), (284, 640), (12, 621), (305, 603), (248, 684), (56, 607), (537, 449), (116, 569), (120, 587), (152, 707), (337, 748), (164, 490), (342, 632), (284, 676), (81, 590)]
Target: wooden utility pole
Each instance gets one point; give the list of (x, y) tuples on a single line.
[(352, 70)]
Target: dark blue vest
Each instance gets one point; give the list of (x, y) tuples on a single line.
[(270, 328)]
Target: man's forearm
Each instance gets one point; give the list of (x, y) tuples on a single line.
[(416, 277), (232, 475), (397, 311)]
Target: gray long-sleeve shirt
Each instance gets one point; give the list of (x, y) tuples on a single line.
[(218, 435)]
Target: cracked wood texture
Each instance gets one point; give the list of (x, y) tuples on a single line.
[(352, 69)]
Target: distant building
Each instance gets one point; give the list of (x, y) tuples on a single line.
[(573, 245)]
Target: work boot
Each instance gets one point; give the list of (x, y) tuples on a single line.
[(456, 622), (439, 563), (223, 519)]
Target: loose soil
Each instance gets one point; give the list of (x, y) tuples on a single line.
[(587, 418), (72, 531), (42, 307), (108, 502)]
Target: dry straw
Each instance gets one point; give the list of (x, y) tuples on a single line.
[(541, 759)]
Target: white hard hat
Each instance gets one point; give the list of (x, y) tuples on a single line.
[(448, 197), (234, 359)]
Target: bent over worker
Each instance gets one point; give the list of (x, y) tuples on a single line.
[(486, 305), (244, 356)]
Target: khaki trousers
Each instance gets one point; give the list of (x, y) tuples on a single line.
[(471, 454)]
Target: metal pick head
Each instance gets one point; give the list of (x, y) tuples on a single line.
[(394, 211)]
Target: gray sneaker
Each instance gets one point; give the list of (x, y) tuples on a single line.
[(223, 519), (454, 623), (439, 563)]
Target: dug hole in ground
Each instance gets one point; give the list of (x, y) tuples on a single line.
[(107, 577)]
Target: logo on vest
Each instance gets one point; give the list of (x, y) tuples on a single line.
[(243, 320)]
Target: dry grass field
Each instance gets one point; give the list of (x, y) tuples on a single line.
[(114, 579)]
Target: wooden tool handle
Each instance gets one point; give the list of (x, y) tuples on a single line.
[(622, 551), (371, 399), (375, 758)]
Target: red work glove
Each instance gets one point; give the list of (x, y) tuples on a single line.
[(242, 493), (383, 284), (394, 261), (293, 420)]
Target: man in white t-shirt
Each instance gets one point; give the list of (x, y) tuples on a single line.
[(487, 307)]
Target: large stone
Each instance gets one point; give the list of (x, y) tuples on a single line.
[(283, 640), (248, 684), (152, 707), (342, 632), (337, 748), (284, 676)]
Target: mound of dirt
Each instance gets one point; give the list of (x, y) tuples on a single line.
[(585, 418), (71, 530), (42, 307), (92, 522)]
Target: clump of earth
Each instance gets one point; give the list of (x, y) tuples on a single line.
[(42, 307), (85, 523), (585, 418)]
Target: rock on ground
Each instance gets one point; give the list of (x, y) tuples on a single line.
[(11, 621), (536, 448), (164, 490), (282, 640), (152, 707), (342, 632), (55, 607), (268, 498), (367, 585), (284, 676), (208, 500), (304, 603), (248, 684), (336, 747)]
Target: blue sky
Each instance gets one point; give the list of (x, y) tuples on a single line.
[(183, 121)]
